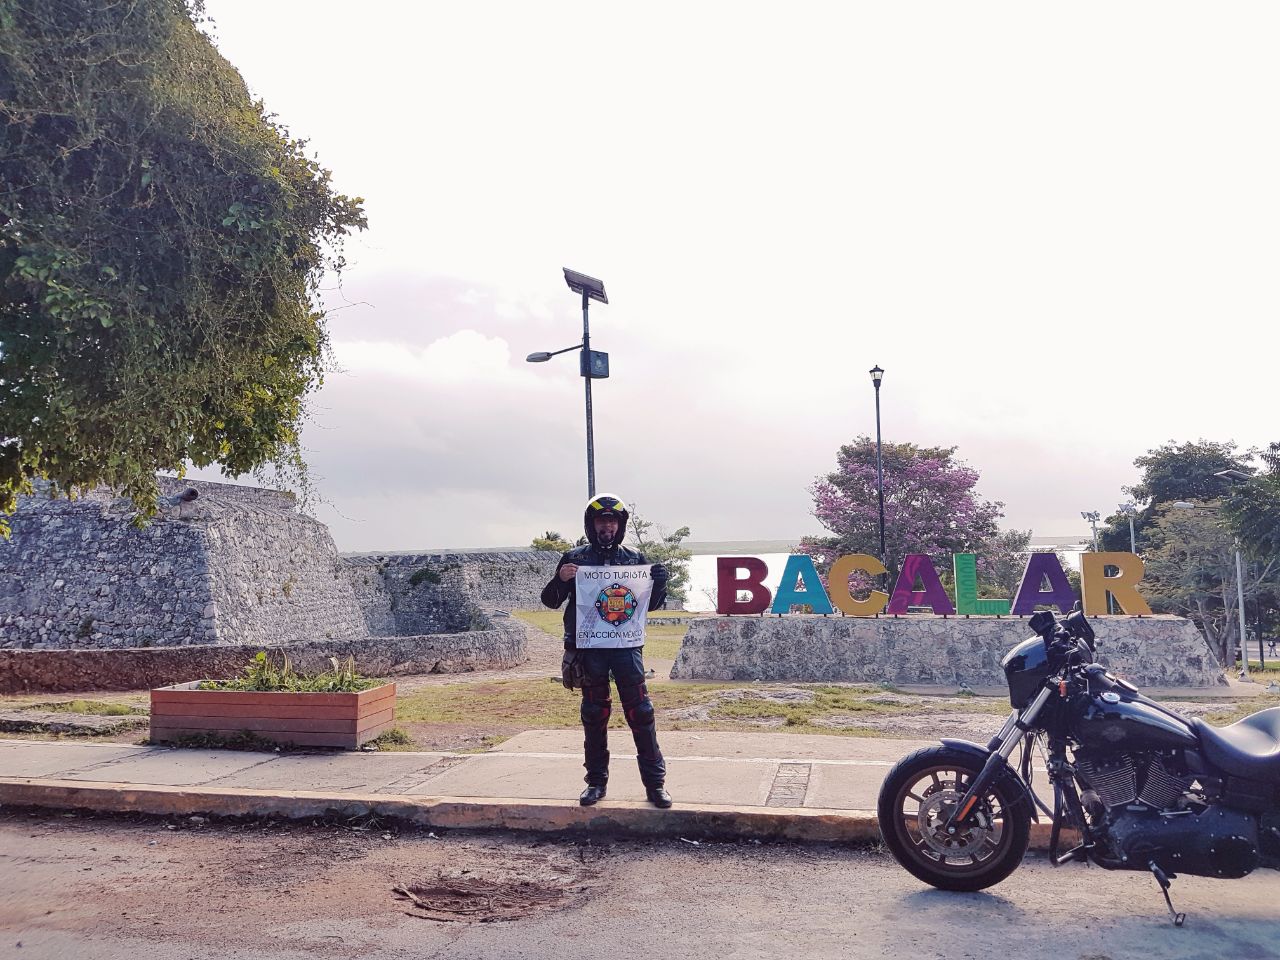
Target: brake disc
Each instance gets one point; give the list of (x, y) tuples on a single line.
[(938, 805)]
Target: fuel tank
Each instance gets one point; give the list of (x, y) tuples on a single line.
[(1113, 722)]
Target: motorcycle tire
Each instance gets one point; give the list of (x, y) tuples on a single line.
[(917, 798)]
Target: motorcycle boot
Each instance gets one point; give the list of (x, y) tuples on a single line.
[(597, 705), (592, 795), (638, 709), (658, 797)]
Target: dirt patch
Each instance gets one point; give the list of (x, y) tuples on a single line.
[(209, 881), (477, 898)]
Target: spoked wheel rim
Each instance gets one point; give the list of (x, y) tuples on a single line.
[(923, 805)]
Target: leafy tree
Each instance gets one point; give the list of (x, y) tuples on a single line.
[(658, 546), (1173, 472), (1190, 571), (161, 242), (1253, 509), (1003, 562), (552, 541), (930, 506)]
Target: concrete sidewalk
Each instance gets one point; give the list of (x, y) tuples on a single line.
[(725, 785)]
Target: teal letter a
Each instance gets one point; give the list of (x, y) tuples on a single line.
[(800, 566)]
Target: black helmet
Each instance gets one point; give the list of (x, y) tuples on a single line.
[(605, 505)]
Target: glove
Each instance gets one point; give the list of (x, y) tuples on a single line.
[(571, 674), (659, 573)]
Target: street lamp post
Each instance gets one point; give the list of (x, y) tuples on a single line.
[(1093, 516), (592, 364), (876, 376), (1129, 509)]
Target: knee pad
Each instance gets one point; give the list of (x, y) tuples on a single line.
[(641, 715), (633, 694), (636, 705), (595, 711)]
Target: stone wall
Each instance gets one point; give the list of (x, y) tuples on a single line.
[(236, 565), (231, 568), (277, 578), (372, 595), (79, 574), (500, 644), (1158, 651), (444, 592)]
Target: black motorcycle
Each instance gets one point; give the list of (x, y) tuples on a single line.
[(1142, 787)]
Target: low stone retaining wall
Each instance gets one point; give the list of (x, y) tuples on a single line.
[(1158, 651), (502, 644)]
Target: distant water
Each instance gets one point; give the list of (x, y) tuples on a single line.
[(702, 576)]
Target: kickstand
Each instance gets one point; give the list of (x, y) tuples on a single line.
[(1164, 879), (1079, 852)]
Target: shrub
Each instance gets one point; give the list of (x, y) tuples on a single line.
[(263, 675)]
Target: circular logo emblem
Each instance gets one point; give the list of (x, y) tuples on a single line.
[(616, 604), (1111, 696)]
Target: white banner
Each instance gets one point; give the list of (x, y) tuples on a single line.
[(612, 604)]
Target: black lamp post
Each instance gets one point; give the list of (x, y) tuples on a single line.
[(592, 364), (876, 375)]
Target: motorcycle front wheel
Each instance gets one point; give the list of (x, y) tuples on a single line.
[(919, 796)]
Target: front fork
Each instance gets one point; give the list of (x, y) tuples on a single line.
[(1000, 748)]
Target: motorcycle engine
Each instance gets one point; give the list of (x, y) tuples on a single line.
[(1150, 812), (1143, 778)]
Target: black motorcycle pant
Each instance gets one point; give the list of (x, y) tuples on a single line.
[(627, 667)]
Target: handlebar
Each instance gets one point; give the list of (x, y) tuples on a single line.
[(1069, 643)]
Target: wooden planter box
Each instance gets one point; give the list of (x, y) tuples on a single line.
[(303, 719)]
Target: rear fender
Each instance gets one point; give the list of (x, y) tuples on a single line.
[(1012, 782)]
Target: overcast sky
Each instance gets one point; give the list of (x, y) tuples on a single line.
[(1054, 226)]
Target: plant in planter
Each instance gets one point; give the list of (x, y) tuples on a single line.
[(336, 708)]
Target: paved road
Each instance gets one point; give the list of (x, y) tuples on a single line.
[(73, 887)]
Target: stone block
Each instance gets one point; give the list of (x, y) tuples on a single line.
[(1158, 651)]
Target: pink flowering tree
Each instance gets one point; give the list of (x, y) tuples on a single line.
[(930, 507)]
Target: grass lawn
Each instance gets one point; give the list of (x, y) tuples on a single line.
[(1233, 710), (101, 708), (546, 705), (1271, 671), (105, 704), (662, 641)]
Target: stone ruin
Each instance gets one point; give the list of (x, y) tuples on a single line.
[(225, 566)]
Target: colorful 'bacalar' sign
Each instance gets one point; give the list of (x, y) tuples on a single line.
[(1043, 583)]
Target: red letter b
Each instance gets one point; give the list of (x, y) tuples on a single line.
[(728, 585)]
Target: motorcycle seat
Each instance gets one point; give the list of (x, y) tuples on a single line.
[(1248, 748)]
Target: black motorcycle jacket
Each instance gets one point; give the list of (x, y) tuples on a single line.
[(557, 591)]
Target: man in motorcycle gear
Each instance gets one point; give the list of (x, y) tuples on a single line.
[(605, 524)]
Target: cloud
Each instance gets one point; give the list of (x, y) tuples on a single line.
[(1057, 273), (462, 357)]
